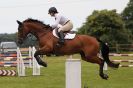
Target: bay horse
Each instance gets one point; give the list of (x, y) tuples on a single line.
[(87, 46)]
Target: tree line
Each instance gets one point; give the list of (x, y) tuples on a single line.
[(30, 41), (110, 26)]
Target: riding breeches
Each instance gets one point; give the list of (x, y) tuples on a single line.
[(67, 27)]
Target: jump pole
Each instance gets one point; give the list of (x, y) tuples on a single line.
[(73, 73)]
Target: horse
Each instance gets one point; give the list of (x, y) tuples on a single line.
[(87, 46)]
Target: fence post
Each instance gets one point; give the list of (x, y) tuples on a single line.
[(36, 66), (20, 64), (73, 73), (30, 56), (117, 48)]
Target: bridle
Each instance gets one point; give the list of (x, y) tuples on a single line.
[(23, 36)]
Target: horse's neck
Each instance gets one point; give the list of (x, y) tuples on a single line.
[(41, 33)]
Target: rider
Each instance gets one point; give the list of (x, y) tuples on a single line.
[(62, 23)]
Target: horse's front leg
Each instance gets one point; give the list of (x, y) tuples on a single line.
[(39, 60), (42, 51)]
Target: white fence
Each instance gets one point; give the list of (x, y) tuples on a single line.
[(21, 66)]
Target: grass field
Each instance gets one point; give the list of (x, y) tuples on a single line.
[(54, 76)]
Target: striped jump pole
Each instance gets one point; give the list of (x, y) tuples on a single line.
[(8, 59), (130, 61), (115, 54), (73, 73), (19, 63), (126, 65), (123, 65), (8, 73), (27, 56)]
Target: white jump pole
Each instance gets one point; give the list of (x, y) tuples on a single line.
[(36, 66), (30, 56), (20, 64), (73, 73)]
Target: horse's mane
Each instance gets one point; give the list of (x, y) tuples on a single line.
[(38, 21), (34, 20)]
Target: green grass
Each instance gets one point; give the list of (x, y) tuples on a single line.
[(54, 76)]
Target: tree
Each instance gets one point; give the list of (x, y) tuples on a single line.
[(106, 25), (127, 16), (8, 37), (30, 41)]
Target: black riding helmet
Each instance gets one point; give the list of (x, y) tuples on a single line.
[(52, 10)]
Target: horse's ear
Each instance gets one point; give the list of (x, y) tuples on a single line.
[(20, 23)]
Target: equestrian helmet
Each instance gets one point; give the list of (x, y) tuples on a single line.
[(52, 10)]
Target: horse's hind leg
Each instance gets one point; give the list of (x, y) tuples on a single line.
[(97, 60), (39, 60), (104, 76)]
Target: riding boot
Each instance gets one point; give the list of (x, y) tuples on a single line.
[(61, 38)]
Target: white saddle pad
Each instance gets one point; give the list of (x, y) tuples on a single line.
[(67, 36)]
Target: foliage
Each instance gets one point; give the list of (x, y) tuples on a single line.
[(106, 25), (8, 37), (30, 41), (127, 16)]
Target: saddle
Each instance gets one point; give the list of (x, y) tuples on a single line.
[(68, 34)]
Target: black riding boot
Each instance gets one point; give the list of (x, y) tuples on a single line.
[(61, 38)]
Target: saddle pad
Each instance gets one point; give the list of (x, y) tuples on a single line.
[(67, 35)]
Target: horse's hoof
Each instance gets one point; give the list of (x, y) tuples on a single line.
[(104, 76), (117, 65), (43, 64)]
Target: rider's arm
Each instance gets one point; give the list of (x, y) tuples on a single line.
[(55, 25)]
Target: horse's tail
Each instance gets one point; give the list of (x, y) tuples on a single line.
[(105, 54)]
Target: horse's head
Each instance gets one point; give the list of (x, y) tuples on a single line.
[(22, 32), (32, 26)]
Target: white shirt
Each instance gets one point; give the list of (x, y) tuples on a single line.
[(59, 21)]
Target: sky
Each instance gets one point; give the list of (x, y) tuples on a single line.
[(76, 10)]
